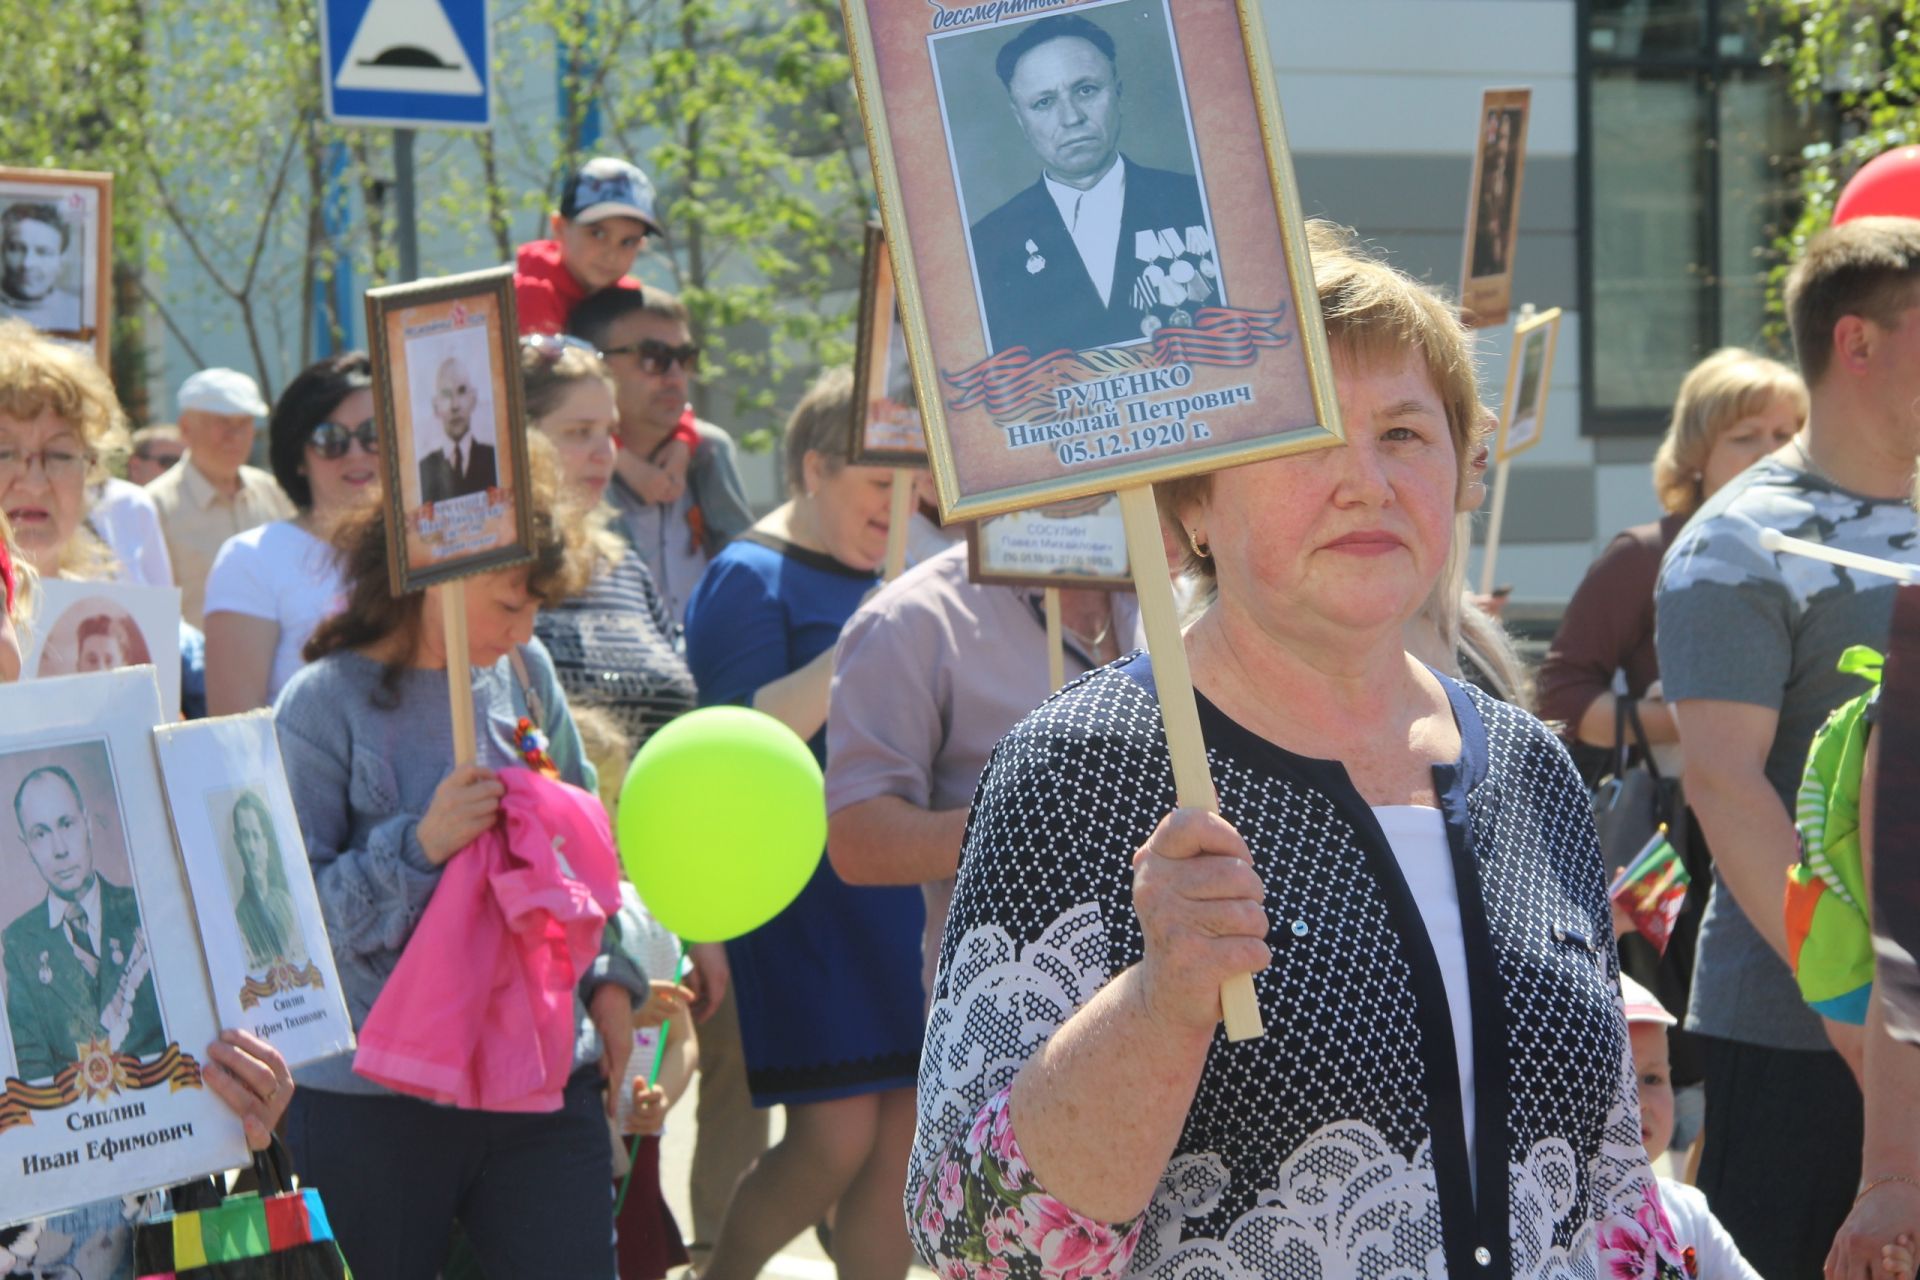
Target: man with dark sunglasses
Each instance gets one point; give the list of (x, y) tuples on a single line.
[(649, 349)]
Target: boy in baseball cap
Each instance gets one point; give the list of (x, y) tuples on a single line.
[(607, 211), (606, 214)]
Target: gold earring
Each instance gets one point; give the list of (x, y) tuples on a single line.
[(1193, 540)]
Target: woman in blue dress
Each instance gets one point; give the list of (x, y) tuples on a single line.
[(829, 991)]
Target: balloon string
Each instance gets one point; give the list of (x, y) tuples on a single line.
[(653, 1078)]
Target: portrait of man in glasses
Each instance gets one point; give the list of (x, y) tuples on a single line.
[(78, 968), (453, 441)]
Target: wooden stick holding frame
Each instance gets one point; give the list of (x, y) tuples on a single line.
[(1523, 415), (1056, 639), (458, 497), (899, 519), (1035, 388)]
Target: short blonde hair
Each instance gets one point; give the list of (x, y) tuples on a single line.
[(1374, 313), (38, 376), (1731, 384), (822, 423)]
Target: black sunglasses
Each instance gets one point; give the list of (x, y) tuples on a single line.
[(331, 440), (657, 357)]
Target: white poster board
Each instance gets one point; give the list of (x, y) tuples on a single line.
[(266, 945), (1082, 543), (107, 1015), (83, 627)]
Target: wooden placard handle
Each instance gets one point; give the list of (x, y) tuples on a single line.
[(898, 517), (1490, 556), (453, 613), (1056, 640), (1192, 781)]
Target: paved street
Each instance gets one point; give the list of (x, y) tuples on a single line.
[(802, 1259)]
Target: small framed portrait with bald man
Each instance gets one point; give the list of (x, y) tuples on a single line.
[(447, 392), (56, 246), (1096, 242)]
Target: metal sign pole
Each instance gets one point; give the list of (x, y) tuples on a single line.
[(407, 230)]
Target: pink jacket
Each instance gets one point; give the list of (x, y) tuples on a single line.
[(479, 1011)]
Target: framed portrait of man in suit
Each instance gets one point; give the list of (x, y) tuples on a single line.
[(1096, 240), (102, 981), (446, 380)]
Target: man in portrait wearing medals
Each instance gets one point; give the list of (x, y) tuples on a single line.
[(77, 965), (1100, 250)]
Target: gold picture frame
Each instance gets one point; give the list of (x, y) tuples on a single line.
[(886, 430), (1207, 382), (56, 242), (1493, 206), (452, 511), (1523, 410)]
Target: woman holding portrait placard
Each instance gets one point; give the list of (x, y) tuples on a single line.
[(1445, 1085), (829, 990), (245, 1072)]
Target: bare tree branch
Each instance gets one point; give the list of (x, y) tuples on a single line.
[(166, 318)]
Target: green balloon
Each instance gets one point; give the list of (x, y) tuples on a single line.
[(723, 818)]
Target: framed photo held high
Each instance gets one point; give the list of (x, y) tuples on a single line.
[(1098, 288), (886, 428), (107, 1015), (1493, 206), (1523, 410), (56, 254), (446, 382), (1081, 543)]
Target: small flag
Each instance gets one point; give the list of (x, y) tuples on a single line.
[(1651, 889)]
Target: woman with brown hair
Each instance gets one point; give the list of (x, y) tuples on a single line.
[(368, 738), (829, 990)]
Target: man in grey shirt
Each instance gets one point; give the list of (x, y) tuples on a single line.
[(1748, 644)]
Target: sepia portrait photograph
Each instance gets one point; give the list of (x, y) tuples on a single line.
[(83, 628), (77, 958), (447, 394), (254, 902), (56, 240), (1529, 374), (1493, 206), (1105, 283), (256, 871), (886, 428)]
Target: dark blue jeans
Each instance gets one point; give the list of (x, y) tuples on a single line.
[(532, 1191)]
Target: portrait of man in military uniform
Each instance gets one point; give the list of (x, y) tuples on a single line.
[(78, 968), (1101, 249)]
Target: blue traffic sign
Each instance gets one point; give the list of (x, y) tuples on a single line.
[(407, 63)]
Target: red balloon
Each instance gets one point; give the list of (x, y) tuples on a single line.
[(1887, 186)]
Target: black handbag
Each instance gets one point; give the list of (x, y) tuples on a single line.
[(1635, 799)]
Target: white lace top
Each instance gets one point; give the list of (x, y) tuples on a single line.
[(1334, 1146)]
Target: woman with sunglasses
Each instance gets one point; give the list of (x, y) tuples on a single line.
[(271, 586)]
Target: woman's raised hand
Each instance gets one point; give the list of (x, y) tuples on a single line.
[(464, 805), (1200, 906)]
